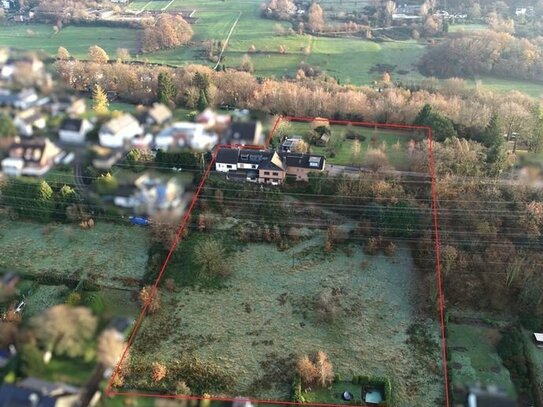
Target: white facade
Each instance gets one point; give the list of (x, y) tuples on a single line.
[(225, 167), (12, 166), (75, 137), (117, 132)]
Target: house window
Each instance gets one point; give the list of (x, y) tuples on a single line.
[(253, 166), (276, 173), (266, 173), (228, 166)]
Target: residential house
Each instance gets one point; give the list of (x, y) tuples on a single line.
[(266, 166), (538, 339), (159, 114), (213, 121), (142, 141), (28, 121), (244, 133), (105, 158), (185, 135), (28, 66), (30, 157), (117, 132), (74, 131), (71, 105), (150, 196), (25, 99)]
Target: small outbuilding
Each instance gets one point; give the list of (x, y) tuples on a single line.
[(538, 340)]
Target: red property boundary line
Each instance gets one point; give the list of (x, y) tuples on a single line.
[(441, 301)]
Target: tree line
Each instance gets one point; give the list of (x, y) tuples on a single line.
[(466, 54)]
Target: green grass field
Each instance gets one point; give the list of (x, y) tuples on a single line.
[(473, 357), (348, 59), (265, 313), (40, 37), (109, 255)]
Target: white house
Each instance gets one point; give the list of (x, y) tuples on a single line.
[(185, 135), (25, 99), (117, 132), (30, 157), (74, 131), (28, 120)]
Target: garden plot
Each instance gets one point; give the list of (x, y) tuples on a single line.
[(107, 255), (265, 315)]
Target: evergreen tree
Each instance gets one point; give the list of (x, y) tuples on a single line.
[(492, 134), (100, 104), (201, 81), (202, 101), (442, 127), (166, 90)]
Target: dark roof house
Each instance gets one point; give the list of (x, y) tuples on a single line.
[(244, 133)]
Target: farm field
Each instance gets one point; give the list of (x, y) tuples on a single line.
[(108, 255), (474, 358), (40, 37), (273, 315)]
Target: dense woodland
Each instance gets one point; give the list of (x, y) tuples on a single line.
[(485, 53)]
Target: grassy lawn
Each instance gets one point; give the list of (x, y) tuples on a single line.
[(467, 27), (264, 316), (535, 356), (333, 395), (473, 357), (395, 144), (108, 254), (40, 37), (70, 371)]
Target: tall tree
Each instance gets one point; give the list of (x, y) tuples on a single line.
[(315, 18), (63, 54), (98, 55), (492, 135), (442, 127), (100, 104), (64, 330), (166, 90)]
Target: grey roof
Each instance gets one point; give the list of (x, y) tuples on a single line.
[(299, 160), (227, 156), (71, 124), (248, 156), (242, 132)]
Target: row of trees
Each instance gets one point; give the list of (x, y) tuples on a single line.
[(470, 110), (467, 54)]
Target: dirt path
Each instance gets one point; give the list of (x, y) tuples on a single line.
[(224, 45)]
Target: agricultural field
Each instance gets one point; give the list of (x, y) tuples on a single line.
[(41, 37), (474, 358), (108, 255), (267, 305)]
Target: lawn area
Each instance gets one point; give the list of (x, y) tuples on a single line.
[(473, 356), (109, 255), (333, 395), (506, 85), (395, 144), (40, 37), (467, 27), (264, 316), (70, 371), (535, 357)]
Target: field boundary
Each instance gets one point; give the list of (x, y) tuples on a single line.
[(441, 302)]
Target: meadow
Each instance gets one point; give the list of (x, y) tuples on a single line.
[(267, 307), (351, 60), (108, 255), (474, 358)]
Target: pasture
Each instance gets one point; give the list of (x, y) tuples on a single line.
[(107, 255), (264, 316), (41, 38)]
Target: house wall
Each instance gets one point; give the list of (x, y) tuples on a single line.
[(225, 167), (302, 174), (117, 140), (266, 176), (243, 166), (73, 137)]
